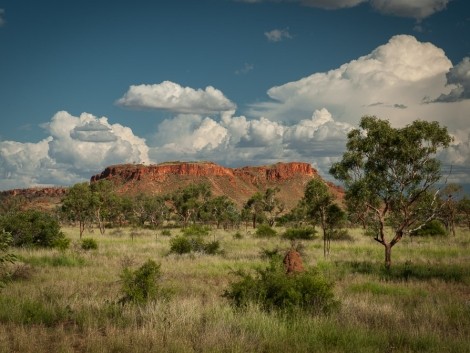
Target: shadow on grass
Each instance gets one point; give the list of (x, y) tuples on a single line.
[(408, 270)]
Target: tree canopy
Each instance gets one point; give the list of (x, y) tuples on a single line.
[(392, 172)]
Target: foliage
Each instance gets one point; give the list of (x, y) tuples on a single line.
[(77, 205), (273, 289), (184, 245), (33, 228), (319, 206), (140, 285), (166, 232), (432, 228), (89, 244), (187, 203), (195, 230), (5, 256), (264, 207), (390, 172), (305, 233), (180, 245), (265, 231)]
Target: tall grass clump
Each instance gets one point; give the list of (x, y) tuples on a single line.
[(272, 289), (89, 244), (265, 231), (185, 245), (141, 285), (306, 233)]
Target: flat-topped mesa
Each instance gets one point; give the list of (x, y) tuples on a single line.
[(36, 192), (278, 171)]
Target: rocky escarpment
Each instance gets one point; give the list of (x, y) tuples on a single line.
[(237, 183)]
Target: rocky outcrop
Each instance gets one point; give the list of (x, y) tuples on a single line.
[(36, 192)]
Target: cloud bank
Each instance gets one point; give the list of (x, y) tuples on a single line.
[(76, 148), (305, 120), (417, 9)]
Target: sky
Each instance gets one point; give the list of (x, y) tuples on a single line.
[(91, 83)]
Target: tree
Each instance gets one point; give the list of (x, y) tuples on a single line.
[(187, 202), (392, 171), (33, 228), (448, 212), (255, 206), (317, 199), (103, 199), (463, 208), (77, 205)]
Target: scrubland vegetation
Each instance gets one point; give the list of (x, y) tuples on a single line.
[(72, 300)]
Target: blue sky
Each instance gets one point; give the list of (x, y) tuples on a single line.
[(85, 84)]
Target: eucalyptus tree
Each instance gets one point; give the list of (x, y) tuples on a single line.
[(392, 171), (77, 205)]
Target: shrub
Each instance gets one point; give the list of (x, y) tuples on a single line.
[(89, 244), (33, 228), (195, 230), (432, 228), (184, 245), (166, 233), (306, 233), (265, 231), (5, 256), (238, 235), (180, 245), (140, 285), (273, 289), (340, 235), (212, 247)]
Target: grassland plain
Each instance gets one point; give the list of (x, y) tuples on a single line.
[(68, 301)]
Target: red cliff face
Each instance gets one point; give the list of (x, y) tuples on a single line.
[(237, 183), (160, 172)]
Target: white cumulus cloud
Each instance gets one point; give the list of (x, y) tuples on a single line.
[(76, 148), (173, 97), (277, 35)]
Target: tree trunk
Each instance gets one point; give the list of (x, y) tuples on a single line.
[(388, 255)]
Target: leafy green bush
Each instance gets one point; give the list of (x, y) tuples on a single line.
[(184, 245), (433, 228), (33, 228), (5, 256), (195, 230), (180, 245), (166, 233), (89, 244), (265, 231), (140, 285), (238, 235), (273, 289), (340, 235), (306, 233)]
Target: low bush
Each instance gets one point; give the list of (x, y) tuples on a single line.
[(166, 232), (265, 231), (432, 228), (195, 230), (184, 245), (89, 244), (306, 233), (141, 285), (238, 235), (273, 289), (340, 235)]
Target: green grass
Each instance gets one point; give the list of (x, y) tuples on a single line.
[(69, 300)]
